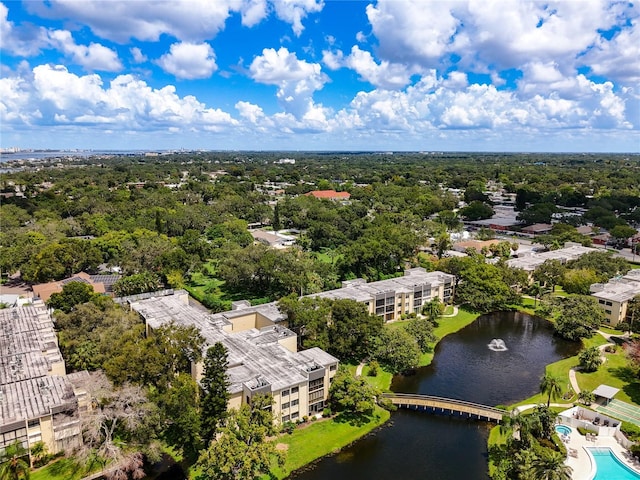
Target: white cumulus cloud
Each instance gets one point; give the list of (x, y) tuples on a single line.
[(296, 79), (384, 74), (22, 40), (137, 55), (92, 57), (189, 60)]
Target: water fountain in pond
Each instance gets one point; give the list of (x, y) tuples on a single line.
[(497, 345)]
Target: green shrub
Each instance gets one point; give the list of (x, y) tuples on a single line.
[(559, 444), (635, 450), (631, 431), (583, 431), (288, 427), (326, 413), (374, 366)]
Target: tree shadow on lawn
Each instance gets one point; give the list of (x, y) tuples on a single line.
[(66, 468), (628, 375), (355, 420)]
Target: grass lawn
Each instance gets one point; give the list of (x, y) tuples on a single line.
[(382, 381), (560, 369), (446, 325), (328, 256), (322, 438), (616, 373), (611, 331), (62, 469)]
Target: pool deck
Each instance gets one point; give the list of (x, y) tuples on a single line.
[(581, 465)]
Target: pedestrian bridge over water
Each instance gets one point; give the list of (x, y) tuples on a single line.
[(451, 406)]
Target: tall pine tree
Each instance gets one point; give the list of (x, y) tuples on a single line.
[(215, 393)]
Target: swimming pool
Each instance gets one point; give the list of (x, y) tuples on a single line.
[(609, 467), (563, 430)]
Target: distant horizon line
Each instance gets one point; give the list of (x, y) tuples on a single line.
[(18, 150)]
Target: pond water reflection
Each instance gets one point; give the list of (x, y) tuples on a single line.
[(416, 445)]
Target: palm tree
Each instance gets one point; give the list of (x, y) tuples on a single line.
[(586, 397), (633, 310), (517, 426), (433, 309), (442, 244), (14, 467), (551, 466), (551, 386)]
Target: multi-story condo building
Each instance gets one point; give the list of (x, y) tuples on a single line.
[(37, 401), (532, 260), (614, 296), (391, 298), (262, 354)]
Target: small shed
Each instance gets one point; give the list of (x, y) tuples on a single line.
[(606, 392)]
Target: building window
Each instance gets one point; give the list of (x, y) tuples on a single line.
[(286, 418), (601, 302), (294, 390), (294, 415), (608, 312), (608, 304), (285, 393), (294, 403), (285, 405), (318, 394), (316, 384), (333, 368), (34, 423), (316, 407)]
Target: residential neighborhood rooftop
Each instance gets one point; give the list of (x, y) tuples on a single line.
[(534, 260), (253, 353), (619, 289)]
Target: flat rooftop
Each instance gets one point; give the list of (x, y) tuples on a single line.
[(361, 291), (620, 289), (531, 262), (34, 398), (28, 343), (255, 355)]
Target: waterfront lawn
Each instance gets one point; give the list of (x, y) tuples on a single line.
[(446, 325), (323, 438), (560, 369), (382, 381), (63, 469), (616, 373)]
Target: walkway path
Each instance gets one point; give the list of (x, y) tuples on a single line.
[(523, 408), (359, 369), (455, 312), (573, 370)]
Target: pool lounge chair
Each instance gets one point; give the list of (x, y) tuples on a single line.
[(573, 453), (596, 421)]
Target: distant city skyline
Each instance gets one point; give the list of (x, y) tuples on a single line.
[(308, 75)]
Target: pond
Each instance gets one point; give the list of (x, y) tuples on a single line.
[(419, 445)]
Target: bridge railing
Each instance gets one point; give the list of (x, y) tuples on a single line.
[(450, 401)]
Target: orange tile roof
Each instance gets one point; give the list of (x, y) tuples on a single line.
[(330, 194)]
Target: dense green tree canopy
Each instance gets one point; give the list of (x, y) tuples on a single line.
[(579, 317)]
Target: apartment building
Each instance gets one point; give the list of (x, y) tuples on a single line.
[(37, 400), (391, 298), (262, 354), (614, 296), (532, 260)]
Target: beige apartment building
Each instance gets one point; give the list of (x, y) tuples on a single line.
[(37, 400), (262, 354), (614, 296), (394, 297)]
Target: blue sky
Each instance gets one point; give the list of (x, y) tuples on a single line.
[(491, 75)]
